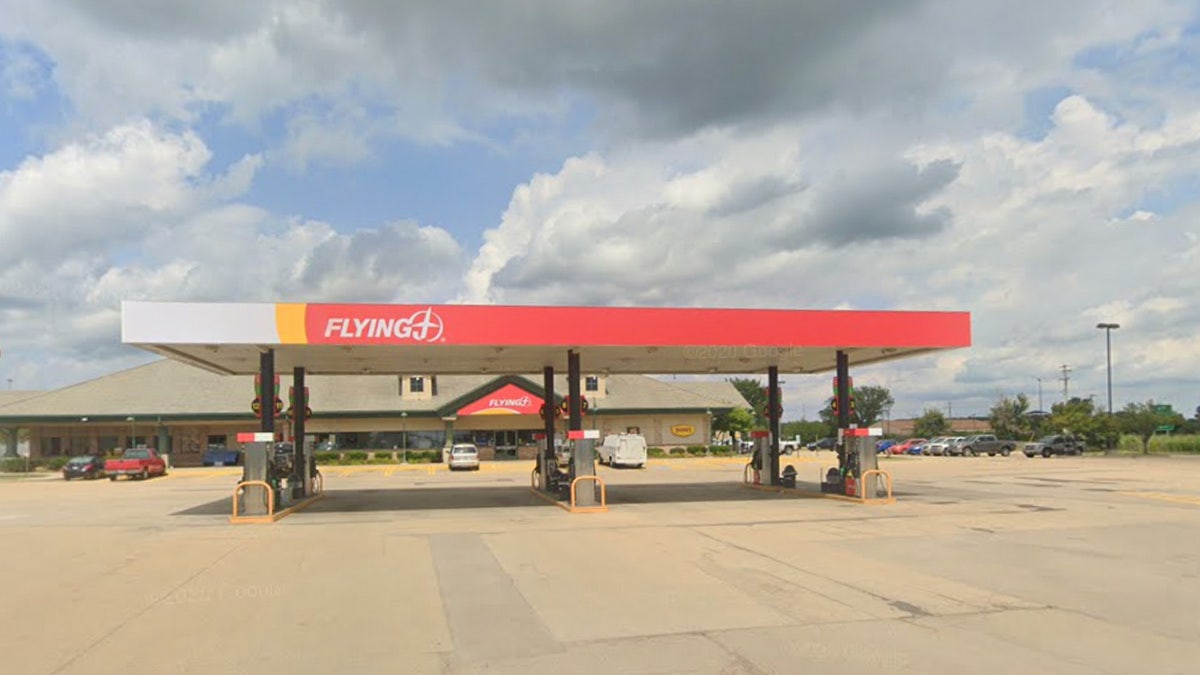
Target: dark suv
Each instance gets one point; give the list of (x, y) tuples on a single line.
[(1058, 444)]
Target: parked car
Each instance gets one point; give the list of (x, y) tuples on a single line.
[(903, 448), (882, 446), (936, 446), (220, 455), (140, 463), (1058, 444), (622, 450), (981, 443), (788, 447), (464, 456), (84, 466), (954, 446), (823, 444)]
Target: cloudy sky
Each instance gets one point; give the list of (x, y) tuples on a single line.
[(1034, 163)]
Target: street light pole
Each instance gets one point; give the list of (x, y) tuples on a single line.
[(1108, 328), (404, 434), (1040, 408)]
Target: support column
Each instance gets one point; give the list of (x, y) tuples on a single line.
[(843, 404), (163, 443), (301, 480), (575, 413), (449, 441), (547, 462), (583, 451), (773, 421), (10, 449), (266, 369)]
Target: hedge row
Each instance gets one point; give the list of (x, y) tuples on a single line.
[(1175, 445), (18, 465), (692, 451), (353, 457)]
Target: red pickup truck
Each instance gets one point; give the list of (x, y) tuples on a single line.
[(138, 463)]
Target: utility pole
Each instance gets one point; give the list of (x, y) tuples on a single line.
[(1066, 380)]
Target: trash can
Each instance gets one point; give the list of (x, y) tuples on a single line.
[(788, 477)]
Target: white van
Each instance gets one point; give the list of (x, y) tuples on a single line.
[(622, 450)]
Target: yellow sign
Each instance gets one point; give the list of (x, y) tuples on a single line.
[(683, 430)]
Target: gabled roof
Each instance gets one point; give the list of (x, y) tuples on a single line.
[(170, 389), (12, 396)]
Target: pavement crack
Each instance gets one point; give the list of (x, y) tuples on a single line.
[(143, 611)]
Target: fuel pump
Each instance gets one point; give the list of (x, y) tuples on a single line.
[(259, 452), (762, 454), (861, 458)]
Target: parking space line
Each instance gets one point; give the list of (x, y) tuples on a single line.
[(1191, 500)]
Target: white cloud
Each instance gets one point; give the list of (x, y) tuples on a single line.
[(134, 213), (1033, 241)]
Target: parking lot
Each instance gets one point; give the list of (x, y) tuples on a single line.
[(998, 565)]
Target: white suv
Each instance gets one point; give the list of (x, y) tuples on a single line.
[(464, 456)]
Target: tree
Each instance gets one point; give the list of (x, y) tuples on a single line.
[(1008, 418), (738, 422), (1143, 419), (1078, 417), (751, 389), (931, 423), (807, 430), (871, 402)]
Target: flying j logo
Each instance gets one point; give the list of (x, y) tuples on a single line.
[(334, 326), (507, 400), (422, 326)]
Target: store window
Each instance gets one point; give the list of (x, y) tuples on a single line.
[(633, 430), (217, 439), (592, 383), (416, 384)]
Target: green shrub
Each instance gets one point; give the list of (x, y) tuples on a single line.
[(383, 458), (1182, 444), (54, 463), (420, 456), (327, 457), (656, 452), (720, 451), (15, 465), (696, 450), (355, 457)]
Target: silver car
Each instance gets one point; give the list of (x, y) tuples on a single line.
[(954, 446), (464, 456), (936, 446)]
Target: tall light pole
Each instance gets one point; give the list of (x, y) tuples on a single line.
[(1108, 328), (1040, 408)]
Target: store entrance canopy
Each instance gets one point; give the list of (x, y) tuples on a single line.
[(460, 339)]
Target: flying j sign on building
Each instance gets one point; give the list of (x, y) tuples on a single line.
[(507, 400)]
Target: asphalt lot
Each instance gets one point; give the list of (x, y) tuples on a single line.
[(996, 565)]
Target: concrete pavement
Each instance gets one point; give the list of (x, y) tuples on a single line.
[(1066, 565)]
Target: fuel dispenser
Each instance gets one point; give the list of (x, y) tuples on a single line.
[(287, 474), (762, 457), (583, 463), (856, 456)]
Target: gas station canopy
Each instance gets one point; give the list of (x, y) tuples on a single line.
[(463, 339)]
